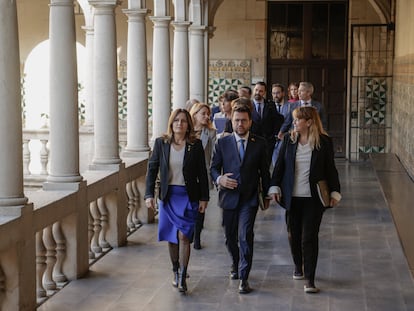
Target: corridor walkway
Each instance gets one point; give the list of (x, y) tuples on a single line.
[(361, 264)]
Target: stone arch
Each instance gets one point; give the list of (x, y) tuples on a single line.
[(383, 10), (87, 12)]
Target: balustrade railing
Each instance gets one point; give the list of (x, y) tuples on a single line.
[(55, 238)]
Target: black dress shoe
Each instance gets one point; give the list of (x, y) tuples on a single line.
[(234, 275), (244, 287), (197, 245)]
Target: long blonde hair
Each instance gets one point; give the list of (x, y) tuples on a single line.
[(196, 108), (315, 129), (190, 135)]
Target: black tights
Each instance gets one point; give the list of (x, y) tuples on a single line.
[(180, 253)]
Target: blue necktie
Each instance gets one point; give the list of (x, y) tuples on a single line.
[(259, 110), (241, 149)]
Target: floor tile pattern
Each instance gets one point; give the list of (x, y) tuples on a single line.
[(361, 264)]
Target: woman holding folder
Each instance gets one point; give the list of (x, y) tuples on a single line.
[(304, 169)]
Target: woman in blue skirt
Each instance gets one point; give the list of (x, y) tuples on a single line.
[(178, 159)]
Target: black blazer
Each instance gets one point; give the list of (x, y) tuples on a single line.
[(269, 125), (194, 170), (322, 167)]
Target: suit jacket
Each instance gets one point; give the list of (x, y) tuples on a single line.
[(208, 139), (269, 124), (322, 167), (194, 170), (287, 125), (249, 172)]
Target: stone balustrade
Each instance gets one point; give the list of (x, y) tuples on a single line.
[(59, 234)]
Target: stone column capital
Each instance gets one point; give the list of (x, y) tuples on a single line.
[(136, 12), (198, 29), (181, 26), (99, 4), (61, 3), (160, 19), (211, 30)]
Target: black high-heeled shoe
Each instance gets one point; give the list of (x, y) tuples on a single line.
[(182, 281), (176, 278), (176, 274)]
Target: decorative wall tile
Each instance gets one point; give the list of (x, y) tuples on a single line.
[(227, 74), (122, 98), (376, 96)]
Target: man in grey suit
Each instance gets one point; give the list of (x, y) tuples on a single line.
[(305, 93), (238, 166)]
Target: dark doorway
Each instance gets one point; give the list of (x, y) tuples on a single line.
[(308, 42)]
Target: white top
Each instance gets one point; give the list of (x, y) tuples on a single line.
[(301, 187), (175, 169)]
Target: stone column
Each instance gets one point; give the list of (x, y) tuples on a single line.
[(197, 62), (89, 111), (105, 84), (18, 261), (180, 65), (161, 76), (11, 156), (208, 35), (137, 82), (64, 122)]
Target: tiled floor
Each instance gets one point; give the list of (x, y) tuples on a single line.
[(361, 264)]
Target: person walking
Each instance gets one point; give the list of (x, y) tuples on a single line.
[(305, 93), (269, 120), (205, 131), (178, 159), (282, 107), (238, 166), (305, 164)]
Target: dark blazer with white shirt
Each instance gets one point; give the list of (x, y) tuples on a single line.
[(322, 167), (194, 170), (254, 167)]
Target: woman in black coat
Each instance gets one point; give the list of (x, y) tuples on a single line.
[(178, 159), (305, 164)]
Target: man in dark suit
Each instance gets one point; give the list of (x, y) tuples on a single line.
[(239, 164), (266, 115)]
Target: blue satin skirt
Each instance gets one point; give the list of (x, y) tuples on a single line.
[(176, 213)]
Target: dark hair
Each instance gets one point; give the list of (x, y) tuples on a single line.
[(247, 88), (279, 86), (242, 104), (261, 83), (230, 95)]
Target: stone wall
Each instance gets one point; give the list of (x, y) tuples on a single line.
[(402, 143), (403, 87)]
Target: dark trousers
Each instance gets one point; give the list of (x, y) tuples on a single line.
[(238, 227), (303, 220)]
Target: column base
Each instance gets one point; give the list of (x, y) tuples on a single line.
[(106, 167), (63, 186), (15, 211), (141, 153)]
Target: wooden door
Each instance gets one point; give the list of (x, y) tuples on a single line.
[(307, 42)]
